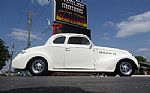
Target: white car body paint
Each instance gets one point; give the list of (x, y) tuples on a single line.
[(72, 57)]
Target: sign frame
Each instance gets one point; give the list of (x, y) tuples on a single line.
[(70, 15)]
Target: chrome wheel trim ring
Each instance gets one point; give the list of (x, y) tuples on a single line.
[(126, 68), (38, 66)]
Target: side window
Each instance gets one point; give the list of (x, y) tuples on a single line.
[(78, 41), (59, 40), (85, 41)]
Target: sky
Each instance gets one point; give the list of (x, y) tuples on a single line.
[(123, 24)]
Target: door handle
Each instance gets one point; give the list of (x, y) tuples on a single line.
[(67, 49)]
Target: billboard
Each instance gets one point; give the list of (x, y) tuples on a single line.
[(70, 12)]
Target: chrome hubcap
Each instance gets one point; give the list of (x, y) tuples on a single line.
[(126, 68), (38, 66)]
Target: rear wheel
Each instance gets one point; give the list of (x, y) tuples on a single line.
[(38, 67), (125, 68)]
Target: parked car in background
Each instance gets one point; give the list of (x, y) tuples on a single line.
[(75, 53)]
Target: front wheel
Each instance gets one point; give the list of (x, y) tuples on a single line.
[(38, 67), (125, 68)]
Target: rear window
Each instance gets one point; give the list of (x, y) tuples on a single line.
[(78, 41)]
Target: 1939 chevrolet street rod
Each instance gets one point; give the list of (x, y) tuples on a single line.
[(75, 53)]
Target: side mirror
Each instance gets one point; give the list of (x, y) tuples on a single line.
[(90, 46)]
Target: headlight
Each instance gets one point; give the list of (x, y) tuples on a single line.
[(23, 51)]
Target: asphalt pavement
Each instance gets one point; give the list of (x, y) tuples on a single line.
[(75, 84)]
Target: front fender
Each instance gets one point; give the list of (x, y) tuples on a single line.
[(21, 60)]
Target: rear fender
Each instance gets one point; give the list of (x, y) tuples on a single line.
[(109, 65)]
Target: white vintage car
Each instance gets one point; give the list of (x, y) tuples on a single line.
[(75, 53)]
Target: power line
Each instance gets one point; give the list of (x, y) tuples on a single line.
[(29, 15), (42, 11), (40, 16), (39, 34)]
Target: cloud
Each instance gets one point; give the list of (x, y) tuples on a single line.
[(18, 34), (145, 51), (42, 2), (134, 25), (21, 34), (109, 23), (105, 36)]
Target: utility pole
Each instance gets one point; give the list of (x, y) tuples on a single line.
[(11, 56), (29, 15)]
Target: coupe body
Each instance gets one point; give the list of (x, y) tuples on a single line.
[(75, 53)]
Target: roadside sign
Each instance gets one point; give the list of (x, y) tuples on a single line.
[(66, 28), (70, 12)]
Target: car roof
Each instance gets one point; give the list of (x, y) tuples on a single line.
[(50, 40), (68, 34)]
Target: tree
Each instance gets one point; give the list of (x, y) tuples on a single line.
[(141, 58), (4, 53)]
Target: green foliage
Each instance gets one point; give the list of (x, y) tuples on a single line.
[(4, 53), (141, 58)]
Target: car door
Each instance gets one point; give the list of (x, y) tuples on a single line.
[(79, 54), (58, 52)]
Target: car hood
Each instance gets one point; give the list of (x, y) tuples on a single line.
[(114, 50)]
